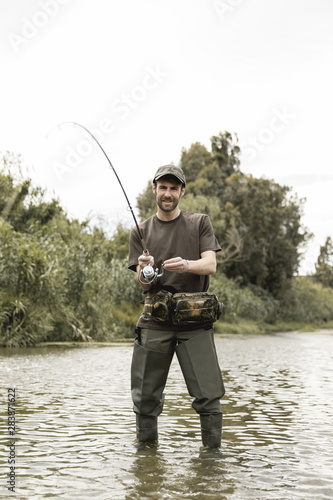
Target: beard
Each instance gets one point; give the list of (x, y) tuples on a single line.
[(170, 208)]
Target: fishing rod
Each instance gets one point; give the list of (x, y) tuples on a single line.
[(148, 272)]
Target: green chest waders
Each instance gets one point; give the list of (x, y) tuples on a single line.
[(149, 372), (199, 364)]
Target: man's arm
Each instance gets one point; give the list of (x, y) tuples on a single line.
[(204, 266)]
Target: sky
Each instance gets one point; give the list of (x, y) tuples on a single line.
[(151, 77)]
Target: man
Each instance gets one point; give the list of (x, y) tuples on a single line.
[(183, 247)]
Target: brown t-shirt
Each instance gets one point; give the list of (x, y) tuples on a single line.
[(187, 236)]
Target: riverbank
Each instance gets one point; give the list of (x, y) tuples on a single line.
[(244, 326), (221, 327)]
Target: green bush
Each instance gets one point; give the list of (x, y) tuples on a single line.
[(307, 301), (57, 285), (250, 303)]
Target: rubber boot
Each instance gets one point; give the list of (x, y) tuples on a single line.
[(146, 429), (199, 364), (149, 372), (211, 430)]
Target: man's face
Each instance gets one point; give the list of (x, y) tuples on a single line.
[(168, 194)]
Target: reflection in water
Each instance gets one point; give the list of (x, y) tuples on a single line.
[(76, 428), (162, 473)]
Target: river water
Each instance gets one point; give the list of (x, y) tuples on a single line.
[(75, 429)]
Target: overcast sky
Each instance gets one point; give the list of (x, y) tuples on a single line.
[(150, 77)]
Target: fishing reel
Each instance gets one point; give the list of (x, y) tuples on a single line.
[(149, 274)]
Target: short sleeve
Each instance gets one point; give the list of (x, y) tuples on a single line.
[(208, 240), (135, 249)]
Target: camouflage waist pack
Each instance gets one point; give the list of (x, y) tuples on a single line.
[(201, 307), (182, 308), (158, 305)]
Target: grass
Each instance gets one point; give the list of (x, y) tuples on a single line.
[(245, 326)]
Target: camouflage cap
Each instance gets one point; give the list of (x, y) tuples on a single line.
[(170, 170)]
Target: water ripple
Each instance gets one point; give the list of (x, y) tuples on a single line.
[(76, 428)]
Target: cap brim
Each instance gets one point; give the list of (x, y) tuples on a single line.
[(172, 175)]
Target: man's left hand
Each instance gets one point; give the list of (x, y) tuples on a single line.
[(176, 265)]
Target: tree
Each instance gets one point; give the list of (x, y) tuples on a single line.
[(20, 202), (225, 151), (269, 223), (193, 160), (324, 265), (146, 202), (206, 172)]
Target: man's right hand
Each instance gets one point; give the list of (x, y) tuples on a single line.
[(144, 260)]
